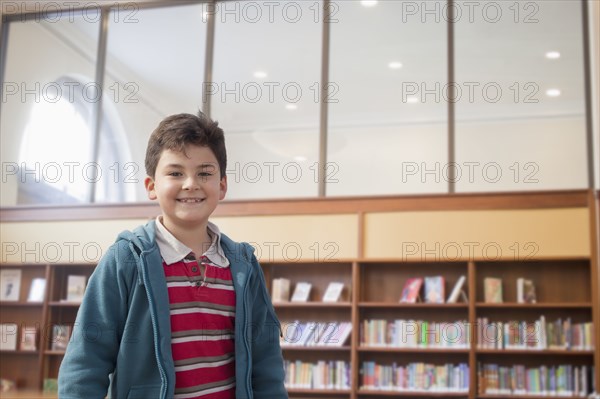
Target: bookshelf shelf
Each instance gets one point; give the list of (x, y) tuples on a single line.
[(316, 348), (419, 305), (65, 304), (307, 391), (54, 353), (391, 349), (21, 304), (342, 305), (440, 394), (19, 352), (490, 396), (28, 394), (547, 305), (535, 352)]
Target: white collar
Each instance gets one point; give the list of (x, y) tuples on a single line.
[(172, 250)]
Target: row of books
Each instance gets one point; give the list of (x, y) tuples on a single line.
[(415, 334), (280, 291), (417, 377), (312, 333), (333, 374), (563, 380), (559, 334), (10, 287), (434, 290), (494, 293), (26, 337)]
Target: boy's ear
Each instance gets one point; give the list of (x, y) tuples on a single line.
[(149, 184), (223, 187)]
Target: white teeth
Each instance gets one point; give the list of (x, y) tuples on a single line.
[(190, 200)]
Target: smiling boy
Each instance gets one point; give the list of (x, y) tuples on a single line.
[(176, 309)]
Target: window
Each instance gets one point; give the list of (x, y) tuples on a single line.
[(56, 156)]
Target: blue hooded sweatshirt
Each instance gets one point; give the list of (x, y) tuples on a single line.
[(121, 341)]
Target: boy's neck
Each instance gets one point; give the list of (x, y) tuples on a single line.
[(196, 238)]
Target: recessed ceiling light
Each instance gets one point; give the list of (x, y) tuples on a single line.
[(369, 3), (291, 106), (395, 65), (260, 74), (553, 55), (412, 100), (553, 92)]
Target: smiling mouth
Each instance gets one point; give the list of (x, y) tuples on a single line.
[(190, 200)]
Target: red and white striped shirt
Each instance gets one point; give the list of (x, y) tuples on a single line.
[(202, 307)]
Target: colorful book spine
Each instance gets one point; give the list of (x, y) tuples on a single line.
[(415, 334), (333, 374), (538, 335), (562, 380), (415, 377)]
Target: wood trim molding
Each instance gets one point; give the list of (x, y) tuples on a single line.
[(338, 205)]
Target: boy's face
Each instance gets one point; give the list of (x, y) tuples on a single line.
[(188, 186)]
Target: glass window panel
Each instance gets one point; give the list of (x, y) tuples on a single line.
[(154, 68), (521, 116), (386, 134), (266, 76), (48, 97)]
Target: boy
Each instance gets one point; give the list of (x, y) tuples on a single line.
[(176, 309)]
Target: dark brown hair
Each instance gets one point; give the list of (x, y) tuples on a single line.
[(177, 131)]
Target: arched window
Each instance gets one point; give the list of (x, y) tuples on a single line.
[(57, 149)]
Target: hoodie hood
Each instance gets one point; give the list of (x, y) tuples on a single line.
[(142, 238)]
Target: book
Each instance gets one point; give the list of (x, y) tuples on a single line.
[(60, 337), (50, 385), (434, 289), (7, 385), (301, 292), (318, 336), (456, 290), (525, 291), (410, 292), (10, 284), (310, 329), (37, 290), (297, 333), (28, 339), (280, 291), (75, 288), (8, 336), (340, 334), (492, 290), (333, 292)]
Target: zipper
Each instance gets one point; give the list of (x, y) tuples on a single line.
[(248, 377), (163, 376)]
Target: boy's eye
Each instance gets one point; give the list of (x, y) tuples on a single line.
[(174, 173), (205, 174)]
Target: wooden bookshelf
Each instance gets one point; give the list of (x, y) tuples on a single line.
[(374, 289), (28, 369)]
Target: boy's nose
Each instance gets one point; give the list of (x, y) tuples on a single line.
[(191, 183)]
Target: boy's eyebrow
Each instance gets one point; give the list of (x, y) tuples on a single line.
[(203, 165), (208, 164)]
